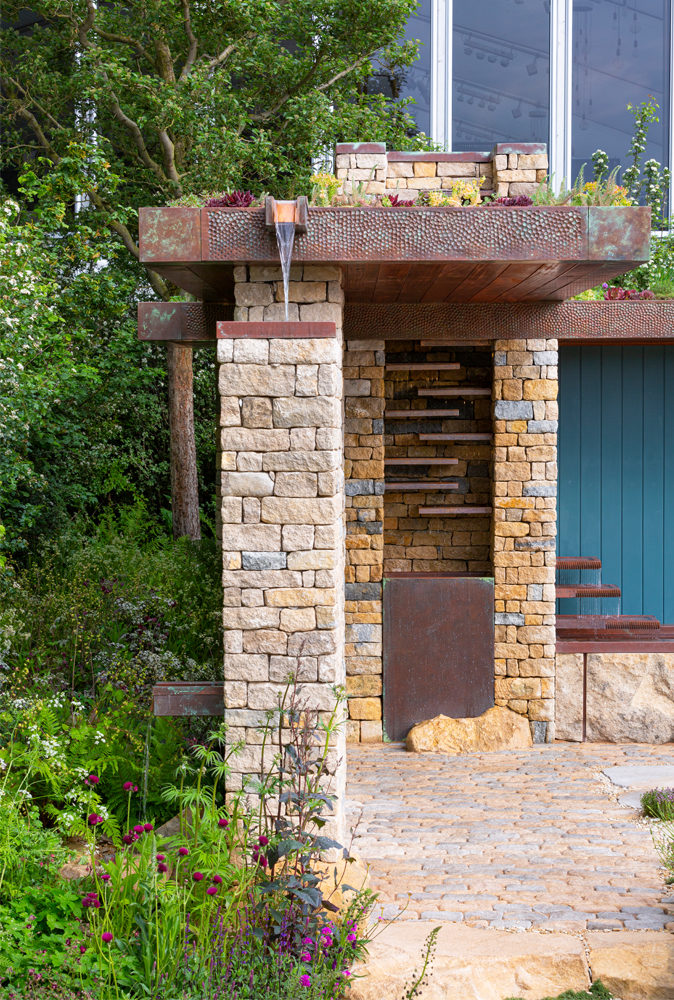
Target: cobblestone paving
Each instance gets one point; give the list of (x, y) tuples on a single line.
[(514, 840)]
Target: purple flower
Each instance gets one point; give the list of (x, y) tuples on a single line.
[(183, 852), (350, 937), (305, 957), (263, 841), (161, 867), (224, 823), (138, 828), (106, 936), (305, 980), (197, 876), (94, 819), (128, 786), (161, 857), (212, 889), (127, 838), (148, 827), (93, 779), (105, 877), (83, 948), (217, 879)]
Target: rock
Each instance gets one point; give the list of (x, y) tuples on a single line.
[(472, 964), (569, 697), (71, 871), (497, 729), (339, 880), (630, 697), (638, 965)]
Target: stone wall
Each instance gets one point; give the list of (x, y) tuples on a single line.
[(282, 502), (428, 544), (364, 542), (524, 526), (629, 697), (510, 169)]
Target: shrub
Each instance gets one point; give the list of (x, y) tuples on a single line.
[(659, 804)]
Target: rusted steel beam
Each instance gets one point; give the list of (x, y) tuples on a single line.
[(593, 322), (185, 698), (189, 323), (292, 330)]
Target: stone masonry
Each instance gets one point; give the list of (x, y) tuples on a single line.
[(282, 501), (364, 371), (510, 169), (524, 526)]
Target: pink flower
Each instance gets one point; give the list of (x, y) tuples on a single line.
[(263, 862), (93, 779), (307, 941), (350, 937), (161, 867), (148, 827), (197, 876), (183, 852), (83, 948), (128, 786), (105, 877), (305, 980), (212, 889), (223, 822), (127, 838), (217, 879), (305, 957), (106, 936), (138, 828), (263, 841), (161, 857), (94, 819)]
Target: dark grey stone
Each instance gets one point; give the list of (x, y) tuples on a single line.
[(374, 528), (263, 560), (378, 426), (506, 409), (362, 591), (534, 544), (539, 731), (543, 427), (539, 490), (509, 618), (359, 487)]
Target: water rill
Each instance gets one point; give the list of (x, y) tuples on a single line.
[(284, 224)]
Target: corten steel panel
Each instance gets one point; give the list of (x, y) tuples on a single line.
[(182, 698), (170, 235), (572, 321), (181, 322), (438, 648), (289, 331), (615, 233)]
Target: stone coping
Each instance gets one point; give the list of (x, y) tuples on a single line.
[(401, 156)]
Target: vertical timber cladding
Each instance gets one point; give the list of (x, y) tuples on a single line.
[(524, 528), (282, 502)]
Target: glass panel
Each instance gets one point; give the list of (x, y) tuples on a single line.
[(621, 56), (416, 79), (501, 73)]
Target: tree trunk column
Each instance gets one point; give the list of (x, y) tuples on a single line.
[(184, 480), (525, 528), (282, 507)]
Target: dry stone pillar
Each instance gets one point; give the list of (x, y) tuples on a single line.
[(282, 501), (525, 510)]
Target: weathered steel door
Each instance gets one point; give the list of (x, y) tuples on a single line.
[(438, 648)]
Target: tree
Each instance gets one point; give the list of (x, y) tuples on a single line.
[(183, 97)]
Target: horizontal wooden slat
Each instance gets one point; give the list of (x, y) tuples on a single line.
[(420, 414), (421, 461), (428, 486), (425, 366), (458, 511), (454, 437), (459, 390)]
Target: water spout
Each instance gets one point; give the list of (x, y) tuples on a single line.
[(285, 237)]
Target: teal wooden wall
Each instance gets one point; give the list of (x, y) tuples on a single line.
[(616, 469)]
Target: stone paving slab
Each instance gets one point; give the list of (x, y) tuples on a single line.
[(520, 840)]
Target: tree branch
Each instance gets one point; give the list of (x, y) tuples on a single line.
[(192, 39), (111, 36), (169, 158), (226, 52), (158, 283), (345, 72)]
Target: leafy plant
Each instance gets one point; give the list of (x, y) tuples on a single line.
[(659, 804), (231, 199), (650, 181), (518, 201), (323, 188), (596, 992)]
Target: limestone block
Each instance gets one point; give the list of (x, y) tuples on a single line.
[(230, 412), (297, 537), (312, 643), (457, 170), (273, 273), (322, 312), (371, 731), (496, 729), (298, 597), (276, 313), (255, 412), (630, 697), (254, 439), (251, 537), (303, 291), (298, 619), (312, 559), (307, 380), (224, 350), (310, 461), (251, 351), (265, 641), (231, 510), (282, 510), (246, 666), (257, 380), (632, 964), (296, 484), (253, 294), (236, 694), (540, 389), (305, 412), (247, 484), (322, 272), (250, 618), (365, 708), (265, 696)]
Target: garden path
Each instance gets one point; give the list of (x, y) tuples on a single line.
[(525, 839)]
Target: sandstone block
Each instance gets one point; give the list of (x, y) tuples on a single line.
[(298, 619), (632, 964), (457, 169), (250, 618), (255, 412), (305, 412), (253, 294), (365, 708), (322, 312), (307, 351), (363, 686), (246, 667), (282, 510), (319, 461), (257, 380), (247, 484), (630, 697), (496, 729), (254, 439), (312, 559), (296, 484), (544, 388), (312, 643), (251, 537), (371, 731), (298, 597), (307, 380), (302, 291)]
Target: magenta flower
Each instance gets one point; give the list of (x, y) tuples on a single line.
[(212, 889), (138, 828), (305, 980), (197, 876), (263, 841), (161, 867), (106, 936), (308, 941), (217, 879), (105, 877), (263, 862), (148, 827), (305, 957), (224, 823), (93, 779), (127, 838), (161, 857), (83, 948), (350, 937), (128, 786), (94, 819), (183, 852)]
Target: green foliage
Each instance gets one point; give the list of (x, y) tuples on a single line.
[(659, 804), (596, 992), (649, 181)]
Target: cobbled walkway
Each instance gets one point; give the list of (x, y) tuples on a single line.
[(517, 840)]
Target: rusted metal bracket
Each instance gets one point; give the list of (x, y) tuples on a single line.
[(188, 698)]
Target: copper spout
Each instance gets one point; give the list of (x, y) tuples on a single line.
[(287, 211)]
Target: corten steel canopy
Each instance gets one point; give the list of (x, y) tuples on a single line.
[(408, 255), (637, 322)]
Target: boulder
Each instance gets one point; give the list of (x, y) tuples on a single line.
[(496, 729), (337, 880), (636, 965)]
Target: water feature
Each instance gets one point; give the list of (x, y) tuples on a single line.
[(285, 237)]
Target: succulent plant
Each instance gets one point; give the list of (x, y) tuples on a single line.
[(231, 199), (520, 201)]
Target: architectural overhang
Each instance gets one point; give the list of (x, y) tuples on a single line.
[(408, 255), (640, 322)]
